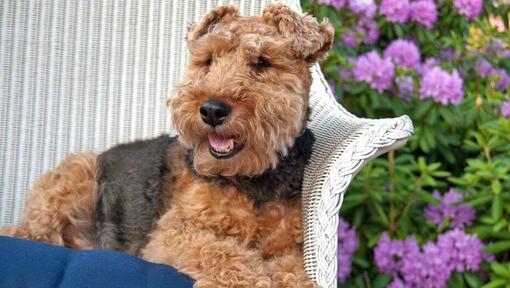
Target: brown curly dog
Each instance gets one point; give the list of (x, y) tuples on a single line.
[(220, 202)]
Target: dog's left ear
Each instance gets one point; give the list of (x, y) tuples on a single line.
[(311, 40), (210, 20)]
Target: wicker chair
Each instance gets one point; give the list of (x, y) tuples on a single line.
[(85, 75)]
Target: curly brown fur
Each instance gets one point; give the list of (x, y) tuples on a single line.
[(222, 203), (59, 208), (216, 234), (269, 104)]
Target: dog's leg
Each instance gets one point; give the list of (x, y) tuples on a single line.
[(59, 208), (288, 270), (211, 260)]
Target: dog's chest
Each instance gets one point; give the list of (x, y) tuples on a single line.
[(273, 227)]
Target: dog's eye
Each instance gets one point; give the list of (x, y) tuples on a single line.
[(208, 62), (261, 63)]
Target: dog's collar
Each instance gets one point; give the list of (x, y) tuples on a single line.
[(281, 183), (281, 155)]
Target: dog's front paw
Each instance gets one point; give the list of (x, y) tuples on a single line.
[(291, 280), (262, 282)]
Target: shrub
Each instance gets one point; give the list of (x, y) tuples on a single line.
[(435, 213)]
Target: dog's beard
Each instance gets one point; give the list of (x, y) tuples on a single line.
[(247, 162)]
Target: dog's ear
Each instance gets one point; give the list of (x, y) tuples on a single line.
[(310, 39), (210, 20)]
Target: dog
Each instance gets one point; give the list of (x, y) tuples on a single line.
[(221, 201)]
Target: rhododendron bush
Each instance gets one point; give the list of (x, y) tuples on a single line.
[(435, 213)]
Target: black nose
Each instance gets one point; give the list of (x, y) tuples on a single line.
[(214, 112)]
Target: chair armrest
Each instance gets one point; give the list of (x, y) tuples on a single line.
[(344, 144)]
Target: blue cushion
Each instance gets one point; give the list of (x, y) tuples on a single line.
[(32, 264)]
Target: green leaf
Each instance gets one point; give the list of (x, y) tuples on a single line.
[(398, 31), (428, 198), (496, 186), (381, 280), (497, 247), (380, 212), (429, 134), (373, 240), (500, 225), (473, 280), (495, 283), (497, 208), (456, 281), (358, 282), (423, 108), (429, 181), (361, 262), (480, 200), (434, 166), (424, 145), (354, 200), (447, 116), (422, 165), (500, 270), (358, 217), (440, 174)]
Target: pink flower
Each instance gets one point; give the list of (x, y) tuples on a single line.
[(444, 88), (403, 53), (363, 8), (337, 4), (374, 70), (347, 246), (395, 10), (469, 8), (505, 109), (461, 215), (424, 12)]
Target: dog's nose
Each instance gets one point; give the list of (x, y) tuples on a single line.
[(214, 112)]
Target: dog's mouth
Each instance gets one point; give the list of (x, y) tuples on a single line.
[(223, 147)]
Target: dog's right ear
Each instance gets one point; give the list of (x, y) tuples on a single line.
[(311, 40), (210, 20)]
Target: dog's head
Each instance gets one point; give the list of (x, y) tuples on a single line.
[(244, 98)]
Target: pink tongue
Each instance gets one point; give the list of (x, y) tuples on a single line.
[(219, 143)]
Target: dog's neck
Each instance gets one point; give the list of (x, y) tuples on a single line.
[(282, 183)]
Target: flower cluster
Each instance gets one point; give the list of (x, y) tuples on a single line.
[(363, 8), (347, 246), (405, 85), (460, 215), (376, 71), (337, 4), (432, 264), (497, 48), (366, 31), (443, 87), (423, 12), (395, 10), (484, 69), (388, 254), (505, 109), (469, 8), (403, 53)]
